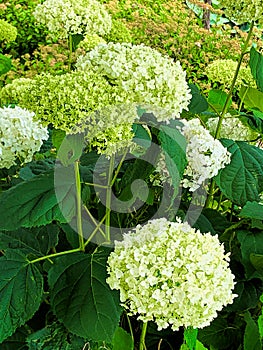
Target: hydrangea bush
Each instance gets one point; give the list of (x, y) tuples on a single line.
[(131, 204)]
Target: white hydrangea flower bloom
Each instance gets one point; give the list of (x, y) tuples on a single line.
[(64, 17), (205, 155), (20, 136), (172, 274), (150, 79), (232, 128)]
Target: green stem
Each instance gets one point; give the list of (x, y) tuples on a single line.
[(225, 108), (70, 46), (79, 206), (97, 228), (108, 198), (210, 197), (54, 255), (142, 337), (130, 327)]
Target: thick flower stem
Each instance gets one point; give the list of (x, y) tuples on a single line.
[(225, 108), (142, 338), (50, 256), (209, 200), (108, 198), (79, 206)]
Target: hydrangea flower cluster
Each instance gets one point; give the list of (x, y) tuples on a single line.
[(223, 71), (232, 128), (205, 155), (172, 274), (8, 32), (20, 136), (90, 41), (150, 78), (243, 11), (69, 17)]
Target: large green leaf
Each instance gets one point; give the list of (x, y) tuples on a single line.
[(198, 102), (54, 337), (5, 64), (173, 144), (122, 340), (35, 203), (251, 97), (219, 334), (251, 243), (17, 341), (217, 100), (252, 210), (252, 339), (242, 179), (81, 298), (37, 241), (256, 66), (21, 289), (248, 295)]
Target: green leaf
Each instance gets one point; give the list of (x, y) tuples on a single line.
[(71, 149), (57, 137), (5, 64), (260, 325), (17, 341), (242, 179), (37, 241), (36, 168), (217, 100), (200, 346), (248, 294), (251, 243), (219, 334), (35, 202), (190, 337), (142, 137), (251, 97), (257, 262), (256, 66), (21, 289), (251, 336), (53, 337), (173, 144), (81, 298), (122, 340), (76, 39), (198, 102), (252, 210)]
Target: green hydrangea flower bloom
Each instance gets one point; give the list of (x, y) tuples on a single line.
[(8, 32)]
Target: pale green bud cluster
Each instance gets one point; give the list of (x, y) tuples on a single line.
[(232, 128), (119, 33), (243, 11), (8, 32), (223, 71), (90, 41), (20, 136), (149, 78), (172, 274), (69, 17)]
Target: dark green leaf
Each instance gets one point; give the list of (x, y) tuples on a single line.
[(71, 149), (173, 144), (122, 340), (257, 261), (251, 337), (219, 334), (256, 66), (16, 341), (35, 202), (58, 137), (54, 337), (21, 289), (37, 241), (242, 179), (36, 168), (81, 298), (248, 295), (142, 137), (251, 97), (217, 100), (76, 39), (252, 210), (5, 64), (198, 102), (251, 243)]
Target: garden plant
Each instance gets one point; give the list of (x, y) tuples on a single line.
[(131, 202)]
